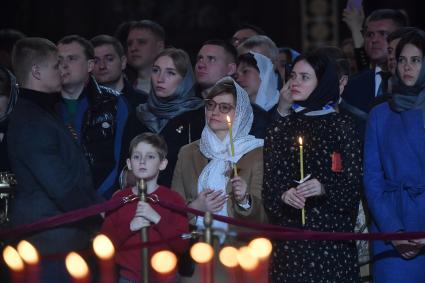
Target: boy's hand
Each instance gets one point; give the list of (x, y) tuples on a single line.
[(144, 216), (138, 223)]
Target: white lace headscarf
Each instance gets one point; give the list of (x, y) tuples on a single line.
[(214, 175), (268, 94)]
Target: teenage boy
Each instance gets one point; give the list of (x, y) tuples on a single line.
[(51, 170), (147, 158)]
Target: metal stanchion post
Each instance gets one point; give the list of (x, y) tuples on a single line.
[(208, 219), (144, 236)]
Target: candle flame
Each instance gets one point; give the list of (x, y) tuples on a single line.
[(103, 247), (164, 261), (229, 257), (201, 252), (300, 140), (228, 119), (261, 247), (76, 266), (246, 258), (12, 259), (28, 252)]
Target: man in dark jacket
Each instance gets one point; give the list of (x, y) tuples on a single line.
[(95, 115), (109, 65), (52, 173)]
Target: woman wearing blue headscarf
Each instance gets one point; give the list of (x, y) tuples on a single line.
[(394, 167)]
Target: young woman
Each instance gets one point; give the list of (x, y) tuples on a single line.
[(172, 109), (330, 196), (394, 165)]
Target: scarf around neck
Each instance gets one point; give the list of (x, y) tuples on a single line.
[(325, 93), (406, 97), (214, 175), (157, 111)]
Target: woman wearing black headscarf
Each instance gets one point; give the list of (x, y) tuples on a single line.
[(172, 110), (394, 166), (8, 96), (330, 196)]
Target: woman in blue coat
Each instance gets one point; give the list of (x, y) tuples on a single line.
[(394, 168)]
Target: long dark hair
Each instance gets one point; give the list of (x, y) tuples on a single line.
[(415, 37)]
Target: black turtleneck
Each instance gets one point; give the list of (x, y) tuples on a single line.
[(45, 100)]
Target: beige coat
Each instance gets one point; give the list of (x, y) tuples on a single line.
[(190, 164)]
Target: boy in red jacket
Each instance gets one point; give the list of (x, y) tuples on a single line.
[(147, 158)]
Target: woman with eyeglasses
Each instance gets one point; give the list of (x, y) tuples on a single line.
[(204, 173), (172, 110), (394, 167), (326, 196)]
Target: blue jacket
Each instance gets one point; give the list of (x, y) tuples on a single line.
[(394, 179)]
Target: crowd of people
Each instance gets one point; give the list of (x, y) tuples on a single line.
[(320, 140)]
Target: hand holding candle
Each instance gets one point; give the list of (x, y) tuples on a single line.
[(232, 146)]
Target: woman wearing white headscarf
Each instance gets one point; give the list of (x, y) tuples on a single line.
[(203, 174), (256, 74)]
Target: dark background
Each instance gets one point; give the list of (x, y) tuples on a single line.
[(187, 22)]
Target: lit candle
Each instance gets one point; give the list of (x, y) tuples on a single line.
[(261, 248), (228, 257), (164, 262), (300, 140), (232, 146), (15, 263), (203, 254), (77, 267), (104, 250), (30, 256)]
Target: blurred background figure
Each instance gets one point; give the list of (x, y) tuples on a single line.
[(244, 32), (8, 38), (8, 97)]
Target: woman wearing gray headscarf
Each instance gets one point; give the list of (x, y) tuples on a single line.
[(172, 109), (394, 167), (8, 96)]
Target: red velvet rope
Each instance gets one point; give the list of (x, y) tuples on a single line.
[(263, 230), (61, 219)]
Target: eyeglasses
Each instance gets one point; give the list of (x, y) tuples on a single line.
[(224, 108)]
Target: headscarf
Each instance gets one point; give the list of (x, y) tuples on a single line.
[(268, 94), (13, 95), (214, 175), (326, 93), (409, 97), (157, 111)]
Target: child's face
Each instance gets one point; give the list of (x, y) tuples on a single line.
[(145, 162)]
